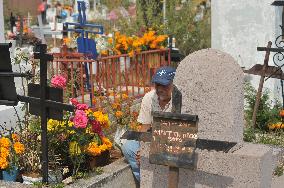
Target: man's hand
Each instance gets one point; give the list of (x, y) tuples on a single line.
[(144, 128), (137, 157)]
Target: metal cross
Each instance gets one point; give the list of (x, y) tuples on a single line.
[(8, 96)]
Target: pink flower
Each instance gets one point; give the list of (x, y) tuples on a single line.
[(80, 119), (82, 107), (74, 101), (58, 81)]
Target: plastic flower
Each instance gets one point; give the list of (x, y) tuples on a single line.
[(58, 81), (19, 148), (80, 120)]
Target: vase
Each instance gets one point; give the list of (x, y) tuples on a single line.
[(100, 160), (10, 174), (31, 179)]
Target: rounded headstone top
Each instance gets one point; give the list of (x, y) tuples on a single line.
[(211, 83)]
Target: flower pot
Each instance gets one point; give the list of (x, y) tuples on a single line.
[(10, 174), (30, 179), (100, 160)]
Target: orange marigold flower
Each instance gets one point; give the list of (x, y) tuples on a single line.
[(124, 96), (115, 106), (4, 152), (110, 40), (4, 142), (3, 163), (103, 147), (15, 137), (93, 149), (104, 52), (19, 148), (118, 114), (107, 142)]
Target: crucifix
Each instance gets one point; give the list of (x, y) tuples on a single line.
[(269, 71), (44, 101)]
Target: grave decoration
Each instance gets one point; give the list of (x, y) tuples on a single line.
[(266, 70), (84, 43), (174, 140), (44, 101)]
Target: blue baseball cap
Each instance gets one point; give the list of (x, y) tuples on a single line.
[(164, 75)]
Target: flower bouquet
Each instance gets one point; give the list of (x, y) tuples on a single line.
[(83, 133)]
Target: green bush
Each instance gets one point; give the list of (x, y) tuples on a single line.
[(267, 112)]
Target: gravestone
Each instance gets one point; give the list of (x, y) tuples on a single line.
[(211, 83)]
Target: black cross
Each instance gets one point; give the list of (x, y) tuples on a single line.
[(43, 101)]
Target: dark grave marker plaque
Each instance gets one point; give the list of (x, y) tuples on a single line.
[(173, 139), (53, 94), (8, 95)]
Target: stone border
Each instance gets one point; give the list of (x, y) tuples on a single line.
[(115, 175)]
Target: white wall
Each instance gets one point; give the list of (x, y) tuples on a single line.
[(240, 26)]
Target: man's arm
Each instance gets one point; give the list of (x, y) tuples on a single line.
[(145, 117)]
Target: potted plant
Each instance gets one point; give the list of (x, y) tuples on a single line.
[(11, 149)]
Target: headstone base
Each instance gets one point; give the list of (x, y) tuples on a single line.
[(249, 166)]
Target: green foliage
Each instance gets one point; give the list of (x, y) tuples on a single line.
[(190, 35), (249, 134), (267, 112), (99, 170), (278, 171)]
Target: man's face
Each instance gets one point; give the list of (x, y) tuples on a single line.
[(164, 92)]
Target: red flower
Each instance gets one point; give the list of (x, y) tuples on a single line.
[(82, 106), (96, 127), (74, 101), (58, 81)]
